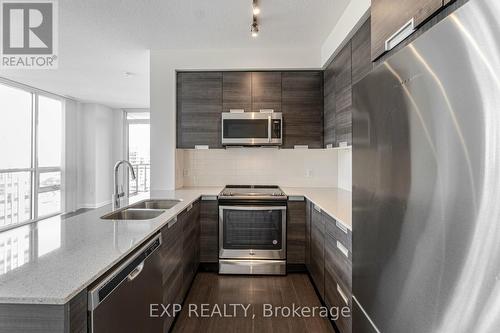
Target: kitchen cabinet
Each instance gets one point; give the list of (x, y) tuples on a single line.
[(266, 91), (209, 230), (317, 265), (361, 49), (329, 106), (388, 17), (190, 221), (302, 107), (237, 91), (308, 235), (296, 231), (171, 254), (70, 317), (342, 68), (338, 270), (199, 109)]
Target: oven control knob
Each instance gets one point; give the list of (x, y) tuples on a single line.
[(252, 253), (275, 242)]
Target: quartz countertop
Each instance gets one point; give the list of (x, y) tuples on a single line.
[(59, 257), (335, 202)]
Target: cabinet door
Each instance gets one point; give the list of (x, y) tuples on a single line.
[(361, 52), (308, 236), (388, 16), (209, 226), (317, 270), (329, 106), (190, 230), (171, 254), (199, 109), (296, 230), (342, 70), (237, 91), (266, 91), (302, 103), (337, 290)]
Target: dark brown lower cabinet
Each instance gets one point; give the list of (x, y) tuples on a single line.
[(308, 235), (338, 281), (329, 262), (171, 255), (209, 229), (317, 266), (296, 231), (191, 249)]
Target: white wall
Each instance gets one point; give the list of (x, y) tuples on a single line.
[(285, 167), (352, 18), (99, 138), (164, 64)]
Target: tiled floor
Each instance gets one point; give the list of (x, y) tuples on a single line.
[(213, 291)]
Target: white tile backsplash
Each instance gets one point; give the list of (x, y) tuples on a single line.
[(292, 168), (345, 169)]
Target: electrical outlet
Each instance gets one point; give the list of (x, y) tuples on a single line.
[(185, 172), (309, 173)]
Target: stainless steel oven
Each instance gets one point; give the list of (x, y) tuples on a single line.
[(252, 232), (252, 128)]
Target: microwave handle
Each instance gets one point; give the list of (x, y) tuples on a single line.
[(269, 129)]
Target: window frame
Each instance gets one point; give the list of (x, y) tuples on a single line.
[(35, 170)]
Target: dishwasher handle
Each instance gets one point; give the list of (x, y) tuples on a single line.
[(128, 271), (136, 272)]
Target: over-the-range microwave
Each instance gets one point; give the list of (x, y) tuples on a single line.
[(263, 128)]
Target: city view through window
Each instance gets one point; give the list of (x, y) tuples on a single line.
[(138, 150), (30, 155)]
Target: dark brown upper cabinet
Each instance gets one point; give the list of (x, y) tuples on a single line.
[(329, 106), (390, 17), (342, 71), (266, 91), (361, 52), (302, 107), (237, 91), (199, 109)]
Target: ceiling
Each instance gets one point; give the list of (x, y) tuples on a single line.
[(102, 40)]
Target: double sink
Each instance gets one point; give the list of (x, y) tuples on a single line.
[(143, 210)]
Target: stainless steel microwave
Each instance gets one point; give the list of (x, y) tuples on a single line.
[(252, 128)]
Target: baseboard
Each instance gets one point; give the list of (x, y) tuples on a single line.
[(296, 268), (212, 267)]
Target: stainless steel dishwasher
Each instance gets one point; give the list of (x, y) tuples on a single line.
[(121, 302)]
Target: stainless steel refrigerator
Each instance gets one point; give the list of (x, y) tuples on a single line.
[(426, 182)]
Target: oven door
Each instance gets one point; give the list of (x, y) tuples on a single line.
[(252, 232), (251, 128)]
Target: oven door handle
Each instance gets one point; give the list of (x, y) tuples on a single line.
[(269, 129), (253, 207)]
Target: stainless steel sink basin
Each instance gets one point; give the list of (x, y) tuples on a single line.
[(133, 214), (156, 204)]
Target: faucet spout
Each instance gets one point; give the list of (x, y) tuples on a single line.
[(116, 194)]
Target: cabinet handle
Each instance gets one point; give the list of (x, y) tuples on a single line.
[(341, 226), (189, 208), (269, 126), (343, 249), (172, 222), (406, 30), (317, 208), (342, 294)]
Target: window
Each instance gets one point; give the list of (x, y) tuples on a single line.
[(30, 155), (137, 128)]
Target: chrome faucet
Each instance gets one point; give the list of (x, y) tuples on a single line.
[(117, 194)]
